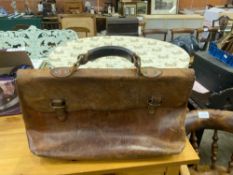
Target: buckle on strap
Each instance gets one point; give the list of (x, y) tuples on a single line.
[(153, 103), (59, 106)]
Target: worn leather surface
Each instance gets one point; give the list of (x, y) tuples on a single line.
[(216, 119), (107, 113)]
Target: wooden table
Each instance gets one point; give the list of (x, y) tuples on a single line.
[(16, 159)]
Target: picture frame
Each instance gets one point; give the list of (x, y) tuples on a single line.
[(142, 7), (130, 9), (164, 6)]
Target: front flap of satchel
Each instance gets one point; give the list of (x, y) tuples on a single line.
[(104, 89), (73, 89)]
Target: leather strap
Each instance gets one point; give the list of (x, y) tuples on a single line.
[(93, 54), (110, 51), (104, 51)]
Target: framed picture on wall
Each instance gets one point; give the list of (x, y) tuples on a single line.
[(164, 6), (142, 7), (130, 9)]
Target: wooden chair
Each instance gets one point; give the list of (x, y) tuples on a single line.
[(181, 31), (215, 100), (163, 32), (80, 30), (87, 21), (215, 120), (211, 36), (222, 23)]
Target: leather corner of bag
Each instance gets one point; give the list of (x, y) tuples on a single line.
[(192, 74)]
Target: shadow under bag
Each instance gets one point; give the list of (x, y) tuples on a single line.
[(86, 114)]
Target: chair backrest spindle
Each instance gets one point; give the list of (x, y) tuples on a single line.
[(214, 149), (222, 22), (215, 120), (212, 32), (230, 165)]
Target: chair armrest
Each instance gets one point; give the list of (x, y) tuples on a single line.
[(213, 30), (209, 119), (183, 30), (155, 31)]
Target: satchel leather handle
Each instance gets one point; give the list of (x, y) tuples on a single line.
[(93, 54), (104, 51)]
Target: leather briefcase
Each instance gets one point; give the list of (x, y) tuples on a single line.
[(86, 114)]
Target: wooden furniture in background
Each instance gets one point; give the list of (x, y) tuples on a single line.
[(184, 31), (211, 36), (141, 27), (79, 20), (60, 4), (50, 22), (127, 26), (217, 120), (163, 32), (73, 7), (100, 23), (20, 26), (216, 77), (200, 3), (220, 91), (173, 21), (49, 7), (222, 23), (128, 8), (15, 158), (181, 31), (80, 30)]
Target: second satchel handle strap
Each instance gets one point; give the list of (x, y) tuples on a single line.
[(104, 51)]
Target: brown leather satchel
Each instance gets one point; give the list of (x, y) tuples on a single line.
[(79, 114)]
